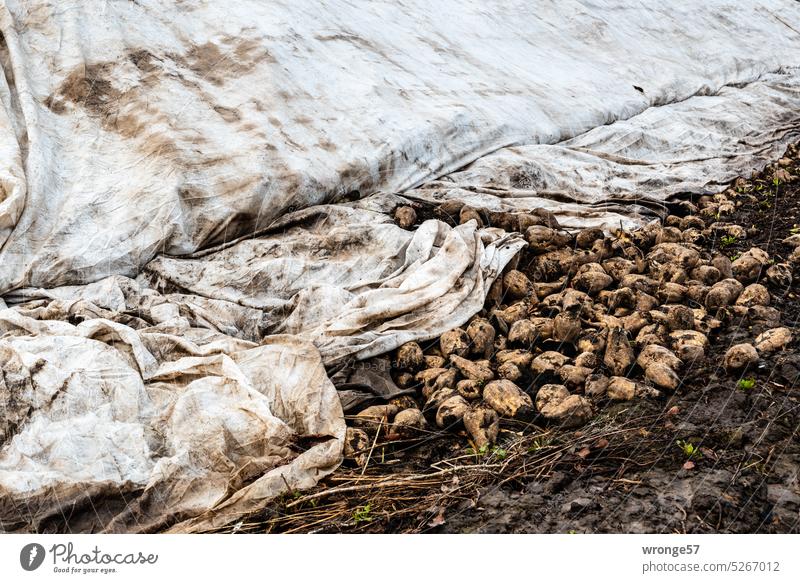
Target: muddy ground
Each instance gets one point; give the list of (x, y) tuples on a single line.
[(628, 469)]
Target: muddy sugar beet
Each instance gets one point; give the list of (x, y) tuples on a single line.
[(579, 321)]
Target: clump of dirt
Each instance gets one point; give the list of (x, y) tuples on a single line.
[(644, 381)]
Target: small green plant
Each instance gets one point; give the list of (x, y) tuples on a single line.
[(794, 230), (689, 449), (727, 241), (484, 451), (538, 444), (481, 451), (734, 257), (499, 453), (362, 514), (746, 384)]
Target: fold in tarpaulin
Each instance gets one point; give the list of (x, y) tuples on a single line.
[(176, 255)]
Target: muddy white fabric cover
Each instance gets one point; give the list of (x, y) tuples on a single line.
[(110, 428), (178, 256)]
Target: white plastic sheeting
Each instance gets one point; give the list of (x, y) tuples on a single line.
[(616, 173), (173, 242), (347, 278), (110, 428)]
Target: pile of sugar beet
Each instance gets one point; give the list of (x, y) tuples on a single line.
[(582, 319)]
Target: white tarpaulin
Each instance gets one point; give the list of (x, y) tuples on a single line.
[(123, 430), (175, 247)]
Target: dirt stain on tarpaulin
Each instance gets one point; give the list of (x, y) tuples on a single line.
[(124, 112), (129, 111), (326, 145), (87, 86), (216, 64), (123, 97), (144, 60), (365, 45), (228, 114), (360, 178)]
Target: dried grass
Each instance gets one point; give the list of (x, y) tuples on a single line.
[(387, 495)]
